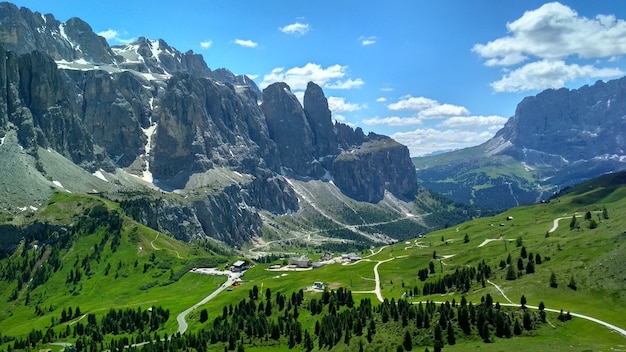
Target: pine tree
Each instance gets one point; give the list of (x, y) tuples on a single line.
[(605, 213), (438, 340), (407, 343), (573, 224), (530, 267), (308, 342), (204, 316), (572, 283), (517, 328), (553, 282), (510, 273), (451, 338), (466, 239)]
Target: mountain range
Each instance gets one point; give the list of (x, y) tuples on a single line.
[(556, 139), (189, 151)]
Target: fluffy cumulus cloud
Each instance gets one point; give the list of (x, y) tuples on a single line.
[(428, 140), (246, 43), (339, 104), (545, 38), (549, 74), (442, 126), (332, 77), (206, 44), (427, 108), (475, 122), (295, 28), (114, 36)]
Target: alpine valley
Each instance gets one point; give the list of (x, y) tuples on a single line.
[(148, 202), (556, 139)]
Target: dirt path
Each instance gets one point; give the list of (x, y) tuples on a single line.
[(376, 289), (501, 292), (586, 317), (152, 243), (182, 323), (598, 321)]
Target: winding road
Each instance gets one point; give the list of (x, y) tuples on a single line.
[(182, 323), (586, 317)]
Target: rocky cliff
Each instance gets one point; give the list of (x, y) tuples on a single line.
[(556, 139), (156, 120)]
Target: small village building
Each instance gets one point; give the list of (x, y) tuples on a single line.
[(302, 262), (318, 285), (317, 265), (326, 256), (239, 266), (353, 257)]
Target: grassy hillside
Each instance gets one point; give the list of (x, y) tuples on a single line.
[(497, 182), (592, 257), (577, 268), (96, 259)]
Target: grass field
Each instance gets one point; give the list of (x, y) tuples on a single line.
[(142, 267)]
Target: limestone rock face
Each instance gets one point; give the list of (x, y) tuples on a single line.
[(204, 124), (556, 139), (379, 164), (23, 31), (39, 108), (319, 118), (578, 124), (145, 109), (289, 128)]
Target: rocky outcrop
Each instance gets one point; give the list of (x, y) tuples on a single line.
[(556, 139), (38, 107), (319, 119), (115, 108), (23, 31), (289, 128), (574, 125), (378, 165), (204, 124), (156, 56), (154, 112)]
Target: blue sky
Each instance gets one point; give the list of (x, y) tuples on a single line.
[(435, 75)]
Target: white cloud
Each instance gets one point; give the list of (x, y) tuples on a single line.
[(347, 84), (393, 121), (113, 36), (475, 122), (427, 108), (298, 77), (412, 103), (555, 31), (428, 140), (295, 28), (544, 39), (206, 44), (443, 110), (549, 74), (246, 43), (339, 104), (109, 34), (386, 89), (367, 40), (381, 99)]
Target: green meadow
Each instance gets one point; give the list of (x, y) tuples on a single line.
[(149, 269)]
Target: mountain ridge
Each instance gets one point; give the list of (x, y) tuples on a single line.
[(150, 124), (558, 138)]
